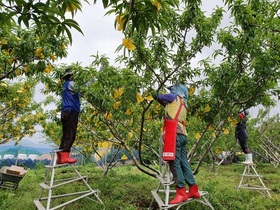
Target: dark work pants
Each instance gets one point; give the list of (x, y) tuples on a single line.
[(69, 121), (180, 167), (243, 145)]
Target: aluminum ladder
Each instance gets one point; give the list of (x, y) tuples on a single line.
[(162, 194), (246, 178), (50, 184)]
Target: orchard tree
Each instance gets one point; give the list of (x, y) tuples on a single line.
[(47, 15), (26, 52), (264, 137), (26, 58), (112, 110), (162, 41), (17, 115), (248, 73), (31, 39), (240, 74)]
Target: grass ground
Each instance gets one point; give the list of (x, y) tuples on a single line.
[(126, 188)]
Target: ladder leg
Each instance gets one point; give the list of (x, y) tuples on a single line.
[(207, 202), (241, 180), (51, 181), (165, 182), (168, 179), (248, 173), (261, 181)]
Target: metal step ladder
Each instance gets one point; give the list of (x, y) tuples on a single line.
[(162, 194), (50, 183), (246, 178)]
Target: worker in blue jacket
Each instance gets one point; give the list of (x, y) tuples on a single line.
[(69, 117)]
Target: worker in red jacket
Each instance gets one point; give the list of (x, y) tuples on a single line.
[(241, 136)]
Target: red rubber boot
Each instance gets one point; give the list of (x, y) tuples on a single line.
[(180, 196), (193, 191), (64, 157), (58, 157)]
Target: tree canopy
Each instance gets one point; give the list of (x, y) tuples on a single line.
[(47, 15), (163, 39)]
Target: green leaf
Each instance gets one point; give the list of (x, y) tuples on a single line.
[(72, 23)]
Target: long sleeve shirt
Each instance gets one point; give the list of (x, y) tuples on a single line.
[(70, 98), (172, 103), (240, 131)]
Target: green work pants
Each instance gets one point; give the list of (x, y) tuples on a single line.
[(180, 167)]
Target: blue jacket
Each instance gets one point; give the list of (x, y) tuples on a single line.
[(70, 98)]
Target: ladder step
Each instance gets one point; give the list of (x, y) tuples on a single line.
[(88, 192), (249, 164), (47, 187), (39, 205), (164, 181), (250, 175), (162, 205), (44, 186), (158, 199), (56, 165), (202, 193), (82, 195), (253, 187)]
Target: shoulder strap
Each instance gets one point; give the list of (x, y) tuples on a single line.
[(179, 110)]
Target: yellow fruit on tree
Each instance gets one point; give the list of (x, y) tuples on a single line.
[(197, 136), (226, 131), (128, 44), (191, 90), (71, 8), (149, 98), (139, 98), (129, 111), (117, 104), (108, 116), (118, 93), (207, 108)]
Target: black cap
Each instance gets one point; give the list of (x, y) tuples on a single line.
[(68, 73)]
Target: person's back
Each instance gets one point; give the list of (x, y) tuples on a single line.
[(242, 136), (69, 118), (241, 130), (70, 98)]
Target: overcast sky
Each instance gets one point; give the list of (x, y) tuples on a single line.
[(99, 35)]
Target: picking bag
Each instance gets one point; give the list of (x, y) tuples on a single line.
[(169, 136), (169, 139)]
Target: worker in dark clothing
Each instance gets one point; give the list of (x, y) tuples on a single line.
[(176, 108), (69, 118), (242, 136)]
